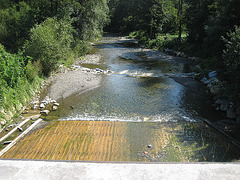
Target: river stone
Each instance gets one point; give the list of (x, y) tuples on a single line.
[(231, 113), (213, 89), (100, 70), (45, 112), (53, 101), (7, 142), (56, 104), (42, 106), (34, 107), (54, 108), (3, 122), (212, 74), (20, 129), (238, 110), (224, 105), (44, 102)]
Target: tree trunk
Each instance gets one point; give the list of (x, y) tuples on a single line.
[(180, 20)]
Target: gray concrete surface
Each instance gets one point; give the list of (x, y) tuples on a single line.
[(55, 170)]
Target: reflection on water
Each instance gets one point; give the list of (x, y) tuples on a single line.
[(141, 89)]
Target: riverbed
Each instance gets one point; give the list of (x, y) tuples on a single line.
[(149, 108)]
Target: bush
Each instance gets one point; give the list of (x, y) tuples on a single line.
[(15, 23), (232, 53), (50, 42), (81, 47), (232, 61), (16, 73), (11, 68)]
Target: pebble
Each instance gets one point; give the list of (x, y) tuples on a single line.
[(56, 104), (3, 122), (44, 112), (35, 107), (54, 108), (7, 142), (42, 105)]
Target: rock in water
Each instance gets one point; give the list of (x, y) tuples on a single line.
[(56, 104), (42, 106), (7, 142), (54, 108), (3, 122), (45, 112), (212, 74)]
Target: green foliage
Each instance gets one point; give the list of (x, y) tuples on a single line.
[(231, 57), (33, 70), (14, 26), (16, 80), (51, 32), (89, 18), (81, 47), (11, 68), (232, 53), (50, 42), (150, 16)]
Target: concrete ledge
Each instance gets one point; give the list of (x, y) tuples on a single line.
[(28, 169)]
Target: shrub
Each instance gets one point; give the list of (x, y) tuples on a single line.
[(81, 47), (11, 68), (16, 73), (231, 59), (50, 42), (32, 70), (15, 22)]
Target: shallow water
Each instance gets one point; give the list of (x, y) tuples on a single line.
[(155, 109), (140, 89)]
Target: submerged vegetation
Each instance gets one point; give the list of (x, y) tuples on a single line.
[(122, 141)]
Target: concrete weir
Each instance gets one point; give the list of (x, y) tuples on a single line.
[(54, 170)]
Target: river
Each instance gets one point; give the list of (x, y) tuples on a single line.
[(149, 109), (143, 89)]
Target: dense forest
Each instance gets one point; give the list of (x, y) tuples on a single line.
[(36, 36)]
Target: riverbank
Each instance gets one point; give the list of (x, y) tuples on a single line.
[(157, 87), (75, 80), (61, 84)]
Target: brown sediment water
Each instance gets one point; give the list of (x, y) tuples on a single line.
[(92, 141), (115, 141)]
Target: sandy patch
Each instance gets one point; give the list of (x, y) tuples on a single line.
[(75, 81)]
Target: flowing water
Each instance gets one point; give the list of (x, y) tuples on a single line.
[(142, 88), (148, 115)]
